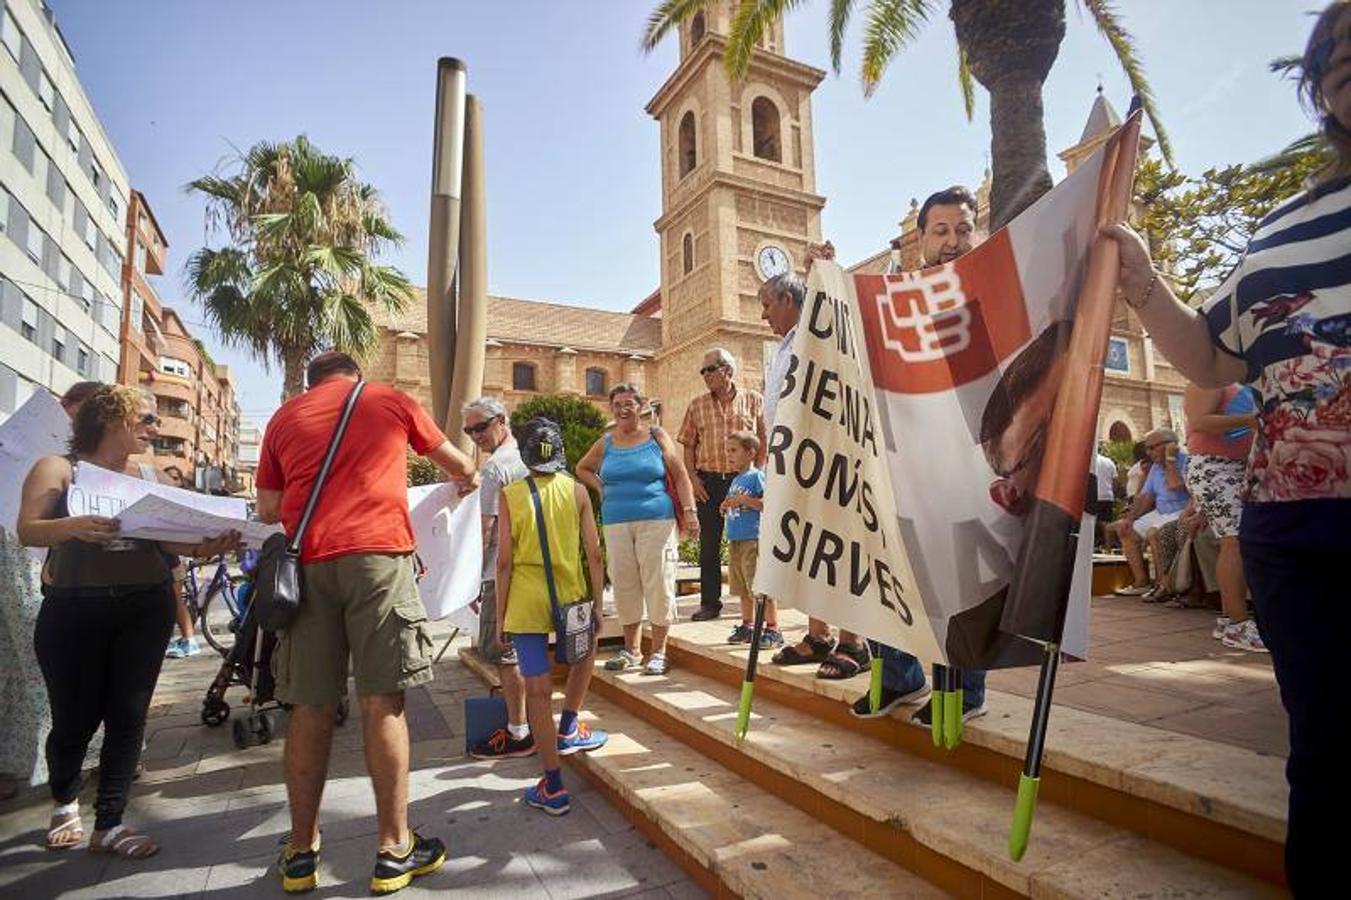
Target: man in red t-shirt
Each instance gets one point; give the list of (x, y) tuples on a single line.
[(361, 600)]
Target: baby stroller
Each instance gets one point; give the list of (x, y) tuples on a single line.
[(248, 665)]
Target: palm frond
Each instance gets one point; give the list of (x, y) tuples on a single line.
[(1109, 24), (345, 323), (750, 21), (891, 25), (665, 18), (840, 11), (966, 83), (1311, 150), (1287, 66)]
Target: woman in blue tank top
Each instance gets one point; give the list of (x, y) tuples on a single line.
[(628, 467)]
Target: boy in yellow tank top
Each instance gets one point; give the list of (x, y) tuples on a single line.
[(523, 590)]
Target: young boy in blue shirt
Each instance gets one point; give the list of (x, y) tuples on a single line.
[(745, 499)]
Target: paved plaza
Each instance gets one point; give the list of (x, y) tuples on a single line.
[(220, 813)]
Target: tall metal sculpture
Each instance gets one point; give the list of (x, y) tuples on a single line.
[(443, 237), (472, 329)]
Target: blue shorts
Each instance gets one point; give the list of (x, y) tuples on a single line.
[(532, 654)]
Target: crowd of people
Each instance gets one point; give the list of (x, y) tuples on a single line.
[(1264, 480)]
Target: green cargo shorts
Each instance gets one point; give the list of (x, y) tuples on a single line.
[(364, 605)]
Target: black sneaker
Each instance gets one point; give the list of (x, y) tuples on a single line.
[(706, 613), (923, 716), (299, 869), (741, 634), (862, 707), (393, 872), (501, 745)]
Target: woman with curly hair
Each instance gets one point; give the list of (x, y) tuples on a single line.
[(107, 611), (1282, 323)]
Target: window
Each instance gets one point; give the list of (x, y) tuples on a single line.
[(63, 270), (687, 253), (522, 377), (73, 136), (59, 344), (84, 225), (4, 210), (115, 207), (24, 145), (36, 240), (140, 257), (1118, 356), (595, 382), (7, 116), (41, 165), (134, 319), (173, 366), (697, 29), (46, 91), (28, 327), (82, 360), (10, 35), (686, 150), (56, 189), (765, 130), (95, 175)]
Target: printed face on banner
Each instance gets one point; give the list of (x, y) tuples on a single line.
[(941, 328)]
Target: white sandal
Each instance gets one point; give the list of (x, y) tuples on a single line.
[(656, 665), (122, 841), (67, 833)]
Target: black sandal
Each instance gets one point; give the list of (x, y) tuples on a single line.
[(792, 656), (846, 662)]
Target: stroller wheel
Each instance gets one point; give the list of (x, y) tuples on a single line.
[(239, 731), (214, 711), (263, 728)]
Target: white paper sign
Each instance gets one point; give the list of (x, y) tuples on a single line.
[(449, 536), (157, 518), (95, 491), (38, 428)]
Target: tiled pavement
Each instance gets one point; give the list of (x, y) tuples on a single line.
[(1158, 666), (219, 814)]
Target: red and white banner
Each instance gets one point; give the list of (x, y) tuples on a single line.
[(909, 438)]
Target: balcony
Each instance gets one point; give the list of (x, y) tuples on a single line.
[(175, 428), (171, 387)]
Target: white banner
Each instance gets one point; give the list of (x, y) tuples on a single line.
[(157, 518), (95, 491), (38, 428), (449, 535)]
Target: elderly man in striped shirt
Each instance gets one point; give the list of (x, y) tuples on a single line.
[(710, 418)]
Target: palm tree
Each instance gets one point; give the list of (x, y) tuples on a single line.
[(297, 274), (1006, 45)]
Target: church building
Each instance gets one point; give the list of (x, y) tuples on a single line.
[(739, 204)]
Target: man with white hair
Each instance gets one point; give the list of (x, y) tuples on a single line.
[(1161, 499), (489, 426), (709, 420)]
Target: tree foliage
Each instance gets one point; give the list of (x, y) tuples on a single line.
[(296, 275), (579, 420), (1198, 226)]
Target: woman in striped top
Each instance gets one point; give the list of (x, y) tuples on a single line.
[(1282, 323)]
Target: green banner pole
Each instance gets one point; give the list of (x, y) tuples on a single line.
[(743, 710), (875, 686), (1025, 806)]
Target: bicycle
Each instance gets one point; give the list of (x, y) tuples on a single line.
[(220, 635)]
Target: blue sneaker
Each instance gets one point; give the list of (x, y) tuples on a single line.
[(582, 738), (539, 797)]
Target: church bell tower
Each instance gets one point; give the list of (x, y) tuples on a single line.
[(739, 200)]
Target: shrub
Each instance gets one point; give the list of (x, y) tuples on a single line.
[(423, 471), (580, 421)]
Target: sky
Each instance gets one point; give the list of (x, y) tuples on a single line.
[(572, 166)]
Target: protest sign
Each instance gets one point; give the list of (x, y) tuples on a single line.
[(38, 428), (449, 536), (96, 491), (909, 438), (157, 518)]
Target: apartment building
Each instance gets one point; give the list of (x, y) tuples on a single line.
[(63, 203), (198, 409)]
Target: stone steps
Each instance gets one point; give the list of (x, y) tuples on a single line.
[(1214, 801), (733, 837), (944, 824)]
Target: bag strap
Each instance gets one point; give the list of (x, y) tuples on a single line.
[(293, 546), (543, 542)]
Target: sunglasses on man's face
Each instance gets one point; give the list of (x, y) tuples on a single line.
[(150, 419), (1158, 444), (481, 427), (710, 369)]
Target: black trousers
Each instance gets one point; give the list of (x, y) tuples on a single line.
[(710, 538), (1297, 594), (100, 656)]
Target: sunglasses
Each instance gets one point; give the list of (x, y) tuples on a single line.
[(150, 419), (709, 370), (1159, 444), (481, 427)]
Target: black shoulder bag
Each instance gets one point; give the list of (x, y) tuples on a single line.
[(574, 626), (277, 584)]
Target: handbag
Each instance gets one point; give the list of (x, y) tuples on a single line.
[(574, 624), (1179, 580), (680, 515), (277, 584), (482, 717)]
